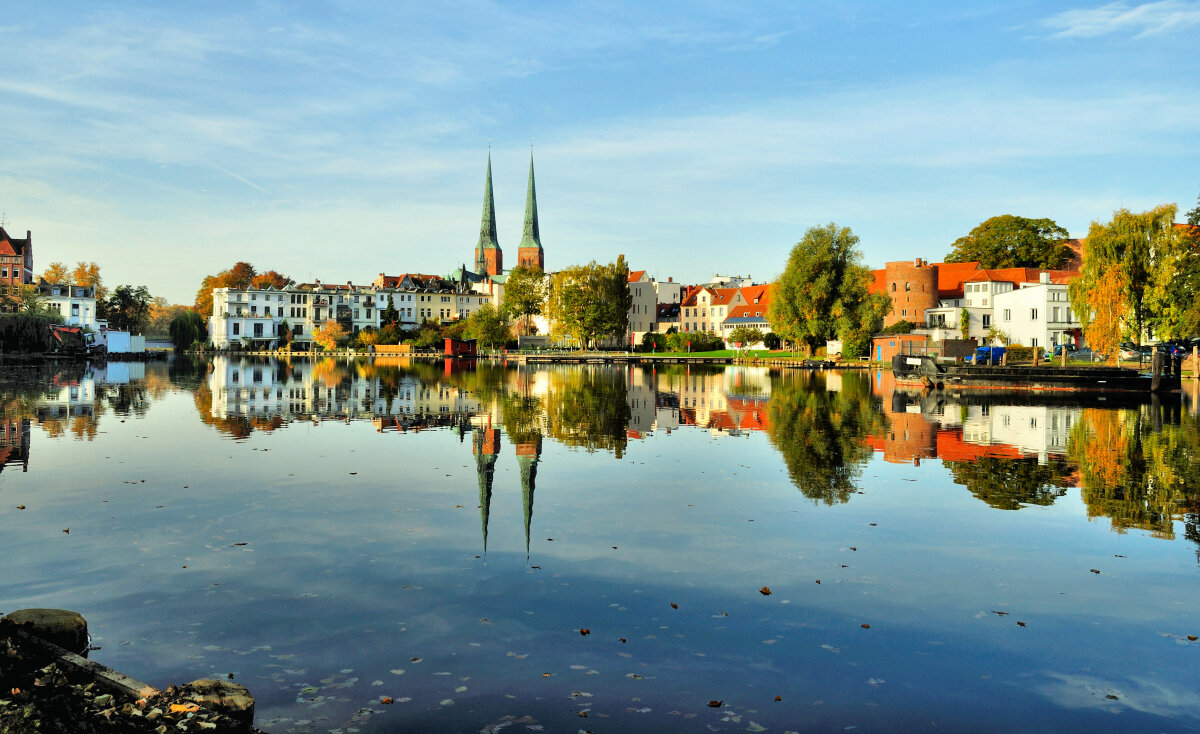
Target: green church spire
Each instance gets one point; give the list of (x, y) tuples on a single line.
[(487, 227), (531, 237), (528, 466)]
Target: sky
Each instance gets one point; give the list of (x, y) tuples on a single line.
[(338, 140)]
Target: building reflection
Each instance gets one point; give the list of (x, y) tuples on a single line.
[(14, 442)]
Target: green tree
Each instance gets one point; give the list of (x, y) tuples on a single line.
[(590, 302), (488, 326), (1010, 484), (824, 292), (525, 294), (1134, 247), (747, 335), (390, 315), (1009, 241), (129, 308), (187, 328), (964, 323)]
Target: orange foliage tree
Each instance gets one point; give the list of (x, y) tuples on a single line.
[(1108, 303)]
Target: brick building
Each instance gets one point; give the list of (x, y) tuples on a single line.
[(16, 262)]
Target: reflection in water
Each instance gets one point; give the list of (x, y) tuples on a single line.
[(820, 426)]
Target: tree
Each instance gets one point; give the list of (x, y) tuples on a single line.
[(390, 315), (272, 279), (88, 274), (1137, 246), (129, 308), (187, 328), (328, 335), (747, 335), (1009, 241), (590, 302), (487, 325), (524, 294), (56, 273), (824, 292), (1106, 305), (964, 323)]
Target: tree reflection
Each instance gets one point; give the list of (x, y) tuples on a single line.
[(1137, 471), (820, 433), (1010, 484), (588, 408)]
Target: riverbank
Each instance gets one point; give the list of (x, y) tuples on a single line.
[(47, 688)]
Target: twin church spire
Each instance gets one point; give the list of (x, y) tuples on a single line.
[(489, 259)]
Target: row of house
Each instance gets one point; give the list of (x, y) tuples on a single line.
[(1026, 306)]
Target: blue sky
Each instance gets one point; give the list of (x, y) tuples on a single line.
[(337, 140)]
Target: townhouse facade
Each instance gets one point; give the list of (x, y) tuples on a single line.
[(75, 303)]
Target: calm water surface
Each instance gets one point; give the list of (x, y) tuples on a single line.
[(587, 549)]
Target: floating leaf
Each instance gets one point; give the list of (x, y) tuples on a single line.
[(1000, 614), (1111, 697), (765, 591), (67, 531), (674, 605), (20, 507), (716, 704), (818, 581), (416, 660), (1192, 638), (865, 626), (385, 699), (780, 698), (585, 632), (853, 548), (1095, 570), (623, 640), (1020, 624)]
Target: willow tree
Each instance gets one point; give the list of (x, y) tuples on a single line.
[(824, 292), (1136, 247)]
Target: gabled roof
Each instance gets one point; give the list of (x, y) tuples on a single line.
[(1016, 276), (636, 276), (951, 277)]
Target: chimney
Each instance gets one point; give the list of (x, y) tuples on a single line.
[(917, 262), (1044, 277), (670, 280)]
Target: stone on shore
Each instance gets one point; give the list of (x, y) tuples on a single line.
[(222, 696), (64, 628)]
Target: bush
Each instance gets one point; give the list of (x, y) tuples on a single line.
[(1020, 353), (900, 327), (25, 332), (772, 340)]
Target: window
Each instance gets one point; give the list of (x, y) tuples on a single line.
[(907, 286), (893, 287), (987, 320), (1054, 313), (237, 329), (1033, 342), (904, 312), (1008, 314), (1033, 316)]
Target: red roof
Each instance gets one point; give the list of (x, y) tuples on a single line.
[(636, 275), (1020, 275), (951, 277)]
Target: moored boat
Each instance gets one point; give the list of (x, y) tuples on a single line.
[(924, 370)]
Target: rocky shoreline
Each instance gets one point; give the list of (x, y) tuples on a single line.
[(44, 688)]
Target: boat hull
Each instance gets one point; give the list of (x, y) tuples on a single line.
[(924, 371)]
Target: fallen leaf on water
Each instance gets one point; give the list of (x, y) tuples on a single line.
[(1020, 624), (353, 473), (1192, 638), (853, 548), (1111, 696), (582, 714), (385, 699), (635, 676), (1000, 614), (1118, 555), (623, 640), (184, 708), (865, 626), (765, 591), (20, 507), (237, 544), (780, 698), (674, 605), (873, 524), (585, 632), (1095, 570), (716, 704), (416, 660), (547, 675), (67, 531), (818, 581)]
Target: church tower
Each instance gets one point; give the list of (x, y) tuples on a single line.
[(489, 260), (530, 252)]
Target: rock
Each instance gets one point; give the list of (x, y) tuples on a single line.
[(103, 701), (222, 696), (64, 628)]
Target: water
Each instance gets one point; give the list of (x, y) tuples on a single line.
[(334, 534)]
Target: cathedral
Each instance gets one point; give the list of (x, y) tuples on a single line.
[(489, 258)]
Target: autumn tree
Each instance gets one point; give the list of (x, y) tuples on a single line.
[(88, 274), (328, 335), (56, 273), (1106, 305), (1009, 241), (824, 293), (1133, 247), (270, 278), (590, 303), (239, 277), (525, 294)]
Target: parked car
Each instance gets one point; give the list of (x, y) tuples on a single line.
[(989, 355), (1086, 355)]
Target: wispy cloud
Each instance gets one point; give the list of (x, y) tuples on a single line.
[(1143, 20)]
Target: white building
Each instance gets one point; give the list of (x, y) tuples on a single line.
[(1037, 314), (76, 303)]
